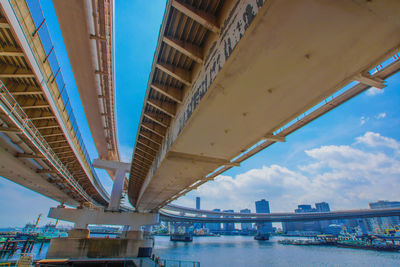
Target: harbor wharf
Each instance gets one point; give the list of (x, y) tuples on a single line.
[(10, 246)]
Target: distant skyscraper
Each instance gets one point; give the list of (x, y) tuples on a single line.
[(262, 206), (229, 227), (197, 203), (198, 225), (312, 226), (323, 207), (214, 227), (246, 226)]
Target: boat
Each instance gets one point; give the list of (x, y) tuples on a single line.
[(371, 244), (377, 247), (261, 236), (186, 237)]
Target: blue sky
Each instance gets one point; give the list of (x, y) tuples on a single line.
[(348, 157)]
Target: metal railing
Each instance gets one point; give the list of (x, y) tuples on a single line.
[(13, 110), (157, 262), (56, 77)]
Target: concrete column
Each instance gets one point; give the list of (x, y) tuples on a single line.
[(116, 192), (80, 230), (79, 233), (134, 234)]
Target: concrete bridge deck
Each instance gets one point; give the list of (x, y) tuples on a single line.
[(226, 217), (227, 75), (40, 144), (88, 32)]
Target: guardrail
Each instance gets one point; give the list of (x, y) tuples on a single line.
[(14, 111), (157, 262)]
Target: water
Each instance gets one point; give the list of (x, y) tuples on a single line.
[(235, 251), (245, 251), (36, 251)]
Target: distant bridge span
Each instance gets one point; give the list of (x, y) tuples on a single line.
[(228, 77), (226, 217)]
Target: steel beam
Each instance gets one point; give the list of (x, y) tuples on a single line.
[(9, 129), (11, 51), (8, 71), (142, 148), (367, 79), (46, 117), (4, 24), (143, 143), (190, 50), (158, 118), (181, 75), (205, 19), (48, 126), (158, 130), (29, 156), (53, 134), (165, 107), (152, 137), (168, 91)]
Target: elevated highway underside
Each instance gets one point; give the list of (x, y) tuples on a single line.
[(267, 63), (40, 144), (88, 33)]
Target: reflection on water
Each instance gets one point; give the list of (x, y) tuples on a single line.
[(244, 251)]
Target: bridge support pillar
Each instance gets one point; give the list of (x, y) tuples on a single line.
[(79, 233), (120, 169), (133, 242)]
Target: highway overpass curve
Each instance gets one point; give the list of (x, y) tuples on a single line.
[(281, 217), (88, 32), (292, 55), (39, 140)]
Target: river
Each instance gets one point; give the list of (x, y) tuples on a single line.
[(232, 251), (244, 251)]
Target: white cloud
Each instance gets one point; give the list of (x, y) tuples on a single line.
[(374, 91), (363, 120), (381, 115), (345, 176), (372, 139), (125, 153)]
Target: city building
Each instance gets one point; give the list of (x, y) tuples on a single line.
[(323, 207), (246, 226), (214, 227), (379, 225), (229, 227), (198, 225), (262, 206), (197, 203), (312, 226)]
